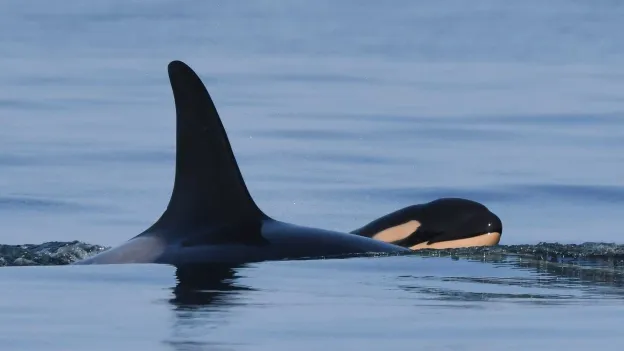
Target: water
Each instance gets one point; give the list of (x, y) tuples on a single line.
[(338, 112), (371, 304)]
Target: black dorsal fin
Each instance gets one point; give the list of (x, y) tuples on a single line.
[(209, 188)]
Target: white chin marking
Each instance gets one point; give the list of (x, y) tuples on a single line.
[(488, 239)]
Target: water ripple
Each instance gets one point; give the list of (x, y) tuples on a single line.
[(515, 193), (9, 203)]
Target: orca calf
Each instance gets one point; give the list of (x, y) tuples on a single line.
[(444, 223), (211, 217)]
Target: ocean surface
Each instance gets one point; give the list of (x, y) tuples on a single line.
[(338, 112)]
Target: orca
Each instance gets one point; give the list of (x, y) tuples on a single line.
[(211, 217), (445, 223)]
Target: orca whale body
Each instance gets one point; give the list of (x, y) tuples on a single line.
[(211, 216)]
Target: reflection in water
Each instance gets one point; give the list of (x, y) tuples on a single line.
[(204, 286), (203, 298), (459, 295), (558, 278), (212, 288), (207, 298)]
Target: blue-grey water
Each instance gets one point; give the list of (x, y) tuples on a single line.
[(338, 112)]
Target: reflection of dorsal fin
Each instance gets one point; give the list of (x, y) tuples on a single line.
[(209, 188)]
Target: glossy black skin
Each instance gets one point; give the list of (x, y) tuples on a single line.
[(211, 217), (441, 220)]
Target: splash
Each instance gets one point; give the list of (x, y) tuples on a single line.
[(51, 253), (588, 253)]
